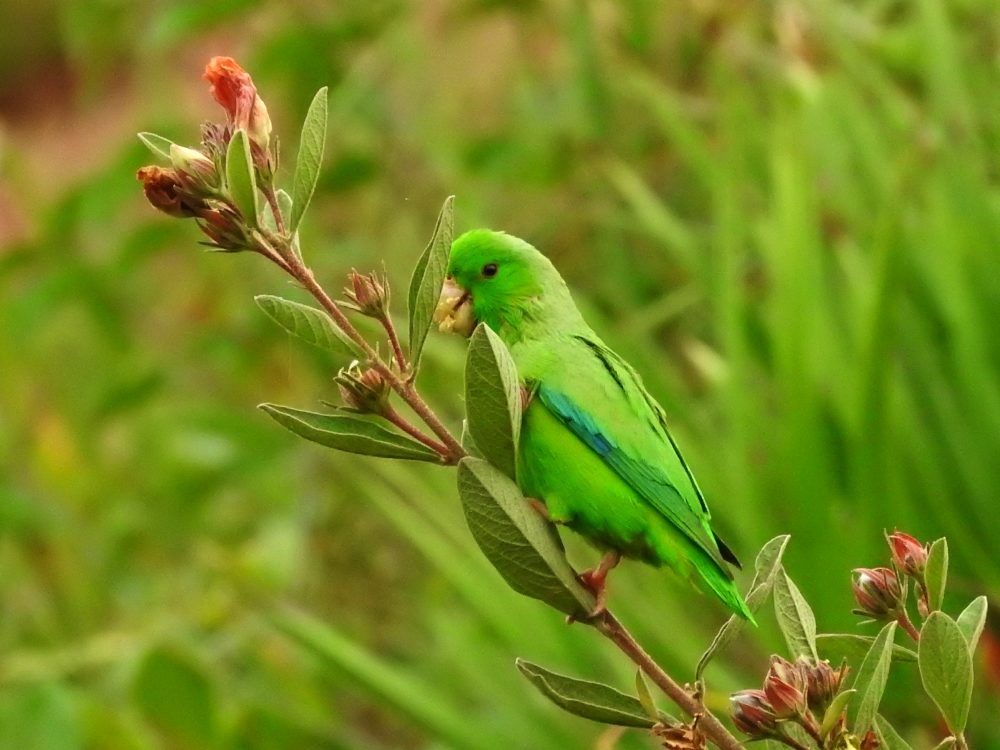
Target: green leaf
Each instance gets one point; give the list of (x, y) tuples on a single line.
[(870, 680), (972, 620), (349, 434), (428, 278), (645, 697), (240, 178), (765, 568), (838, 646), (309, 159), (308, 323), (42, 715), (936, 573), (795, 617), (888, 736), (159, 145), (522, 546), (591, 700), (946, 668), (468, 443), (834, 710), (493, 400), (176, 696)]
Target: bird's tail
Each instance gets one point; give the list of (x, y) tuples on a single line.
[(725, 588)]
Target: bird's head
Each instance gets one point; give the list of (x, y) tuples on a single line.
[(502, 281)]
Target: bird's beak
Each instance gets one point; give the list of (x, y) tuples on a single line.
[(454, 310)]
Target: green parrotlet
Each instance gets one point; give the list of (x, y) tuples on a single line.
[(595, 450)]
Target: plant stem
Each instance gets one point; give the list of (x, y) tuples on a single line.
[(394, 417), (397, 350), (611, 628), (404, 388), (272, 201), (907, 625), (960, 743)]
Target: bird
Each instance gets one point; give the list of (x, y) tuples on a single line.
[(595, 452)]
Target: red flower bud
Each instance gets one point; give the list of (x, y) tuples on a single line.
[(909, 555), (367, 294), (785, 688), (822, 683), (753, 714), (877, 592), (233, 88), (224, 226), (364, 392), (195, 170)]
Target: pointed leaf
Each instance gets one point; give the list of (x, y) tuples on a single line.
[(174, 694), (834, 710), (468, 443), (888, 735), (838, 646), (493, 400), (946, 668), (240, 178), (591, 700), (349, 434), (936, 573), (308, 323), (870, 681), (428, 278), (972, 620), (645, 697), (795, 617), (522, 546), (765, 568), (159, 145), (310, 158)]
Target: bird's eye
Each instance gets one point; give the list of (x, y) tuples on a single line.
[(490, 270)]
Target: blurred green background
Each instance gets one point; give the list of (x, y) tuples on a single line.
[(785, 214)]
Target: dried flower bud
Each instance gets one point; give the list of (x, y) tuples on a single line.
[(165, 191), (368, 294), (785, 688), (822, 683), (195, 170), (877, 592), (234, 89), (364, 392), (908, 555), (753, 714)]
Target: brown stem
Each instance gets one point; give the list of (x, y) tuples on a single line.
[(398, 383), (809, 724), (611, 628), (272, 201), (904, 622), (400, 421), (397, 350)]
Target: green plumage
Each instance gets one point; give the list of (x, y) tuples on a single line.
[(594, 444)]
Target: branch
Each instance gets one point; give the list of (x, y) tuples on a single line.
[(612, 629)]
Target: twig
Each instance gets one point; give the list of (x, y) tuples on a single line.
[(904, 622), (611, 628), (397, 350), (394, 417), (272, 201)]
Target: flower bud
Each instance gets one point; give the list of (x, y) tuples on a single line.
[(224, 226), (195, 170), (822, 683), (908, 555), (364, 392), (785, 688), (753, 714), (877, 592), (234, 89), (367, 294), (165, 191)]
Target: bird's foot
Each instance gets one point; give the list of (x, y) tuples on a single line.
[(596, 580)]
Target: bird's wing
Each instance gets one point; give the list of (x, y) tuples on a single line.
[(622, 424)]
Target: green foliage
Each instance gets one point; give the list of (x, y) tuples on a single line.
[(493, 400), (936, 574), (590, 700), (427, 278), (240, 177), (308, 323), (795, 616), (870, 680), (946, 669), (312, 144), (350, 434)]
